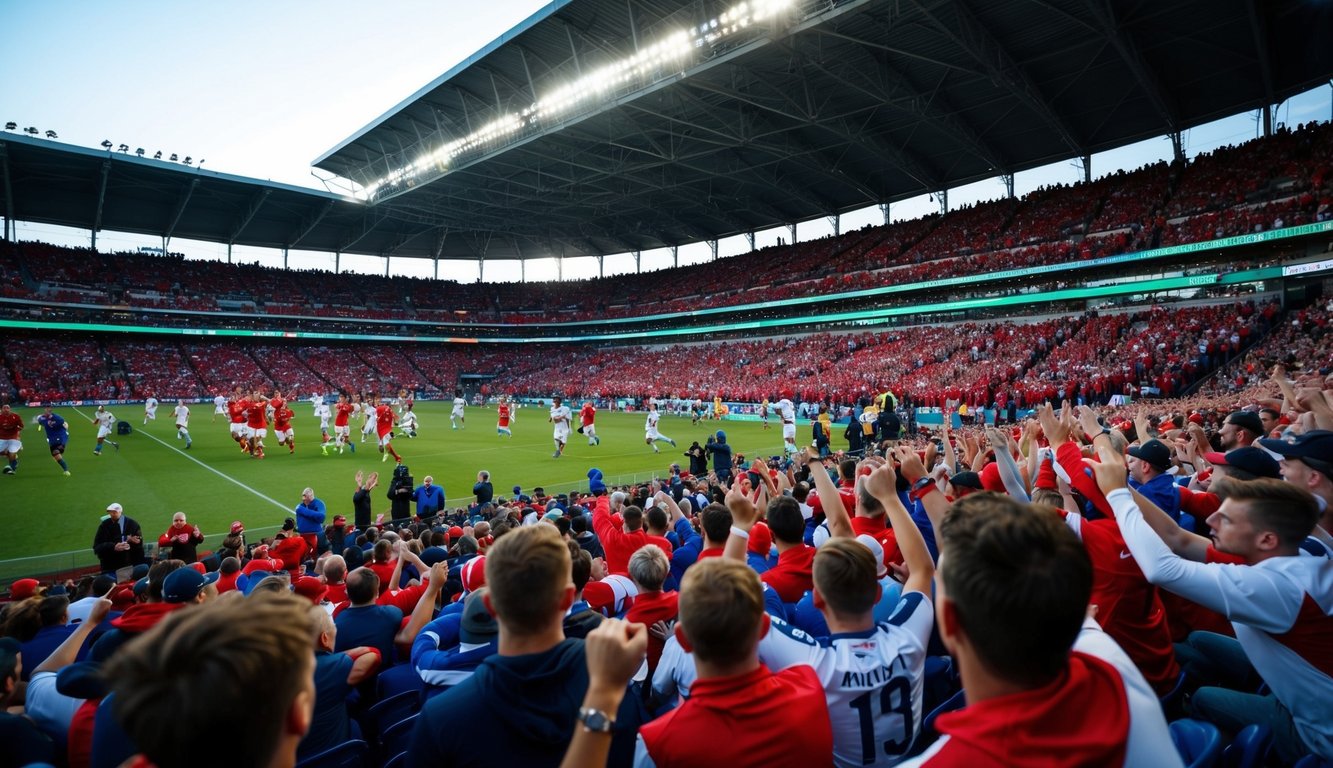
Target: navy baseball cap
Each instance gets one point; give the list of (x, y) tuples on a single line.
[(1153, 452), (184, 584), (1255, 461), (1314, 448)]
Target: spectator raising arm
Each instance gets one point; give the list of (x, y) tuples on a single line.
[(839, 524)]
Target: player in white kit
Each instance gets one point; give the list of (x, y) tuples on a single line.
[(323, 413), (106, 423), (456, 418), (219, 407), (150, 409), (560, 417), (368, 426), (408, 421), (182, 414), (650, 434), (787, 412)]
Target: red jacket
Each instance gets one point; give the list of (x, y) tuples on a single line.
[(650, 608), (618, 544), (792, 577)]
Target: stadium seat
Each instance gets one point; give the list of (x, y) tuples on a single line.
[(398, 679), (1313, 761), (397, 761), (349, 754), (396, 737), (928, 734), (388, 711), (940, 682), (1199, 743), (1171, 697), (1250, 747)]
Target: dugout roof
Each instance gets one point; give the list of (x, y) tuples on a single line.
[(827, 106)]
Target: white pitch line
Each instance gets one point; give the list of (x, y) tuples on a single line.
[(222, 475)]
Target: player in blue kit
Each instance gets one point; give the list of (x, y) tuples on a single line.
[(57, 436)]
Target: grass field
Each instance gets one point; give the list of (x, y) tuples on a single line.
[(153, 475)]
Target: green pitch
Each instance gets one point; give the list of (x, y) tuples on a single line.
[(153, 475)]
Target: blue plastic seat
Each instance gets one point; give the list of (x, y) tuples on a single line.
[(349, 754), (398, 679), (927, 735), (940, 682), (388, 711), (1199, 743), (1250, 747), (1313, 761), (398, 736)]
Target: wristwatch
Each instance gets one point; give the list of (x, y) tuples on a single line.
[(922, 484), (595, 720)]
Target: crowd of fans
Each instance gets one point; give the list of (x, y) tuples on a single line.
[(1264, 184), (1104, 585)]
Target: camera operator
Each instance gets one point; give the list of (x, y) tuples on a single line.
[(400, 493)]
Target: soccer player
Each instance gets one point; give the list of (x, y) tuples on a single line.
[(323, 413), (405, 400), (587, 414), (408, 421), (105, 424), (763, 412), (282, 426), (256, 423), (560, 416), (456, 415), (219, 406), (342, 429), (650, 434), (368, 423), (57, 436), (506, 416), (384, 421), (182, 413), (11, 425), (236, 413), (150, 409), (787, 412)]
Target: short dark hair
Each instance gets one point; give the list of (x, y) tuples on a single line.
[(657, 518), (785, 520), (847, 468), (580, 565), (633, 517), (1278, 506), (1020, 581), (158, 574), (578, 524), (229, 650), (363, 586), (715, 519), (845, 573)]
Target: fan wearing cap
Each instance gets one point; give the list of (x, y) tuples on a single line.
[(1307, 462), (118, 542), (336, 676), (522, 703), (182, 539), (860, 659), (1239, 464), (145, 614), (1148, 466), (1281, 606), (1241, 429), (449, 649), (186, 585)]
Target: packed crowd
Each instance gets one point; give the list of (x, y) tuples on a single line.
[(1106, 585), (1157, 350), (1268, 183)]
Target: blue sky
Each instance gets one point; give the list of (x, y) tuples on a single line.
[(262, 88)]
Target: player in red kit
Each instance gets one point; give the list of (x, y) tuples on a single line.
[(589, 430), (342, 428), (256, 423), (506, 416), (384, 421), (282, 426), (236, 413)]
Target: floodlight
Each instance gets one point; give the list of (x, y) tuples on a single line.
[(174, 158), (139, 151), (158, 155), (123, 148), (106, 144), (51, 135), (11, 126), (188, 159), (30, 130)]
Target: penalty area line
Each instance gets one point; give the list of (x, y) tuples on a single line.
[(220, 474)]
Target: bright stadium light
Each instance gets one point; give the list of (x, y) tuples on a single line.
[(671, 54), (106, 143)]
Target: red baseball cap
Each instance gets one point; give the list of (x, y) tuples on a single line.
[(23, 589), (473, 573), (310, 588), (237, 527)]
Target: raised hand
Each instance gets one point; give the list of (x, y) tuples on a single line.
[(909, 464)]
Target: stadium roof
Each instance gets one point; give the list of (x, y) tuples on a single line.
[(602, 126)]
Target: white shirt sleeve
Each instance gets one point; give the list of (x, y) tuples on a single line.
[(641, 757), (1247, 594), (785, 646)]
